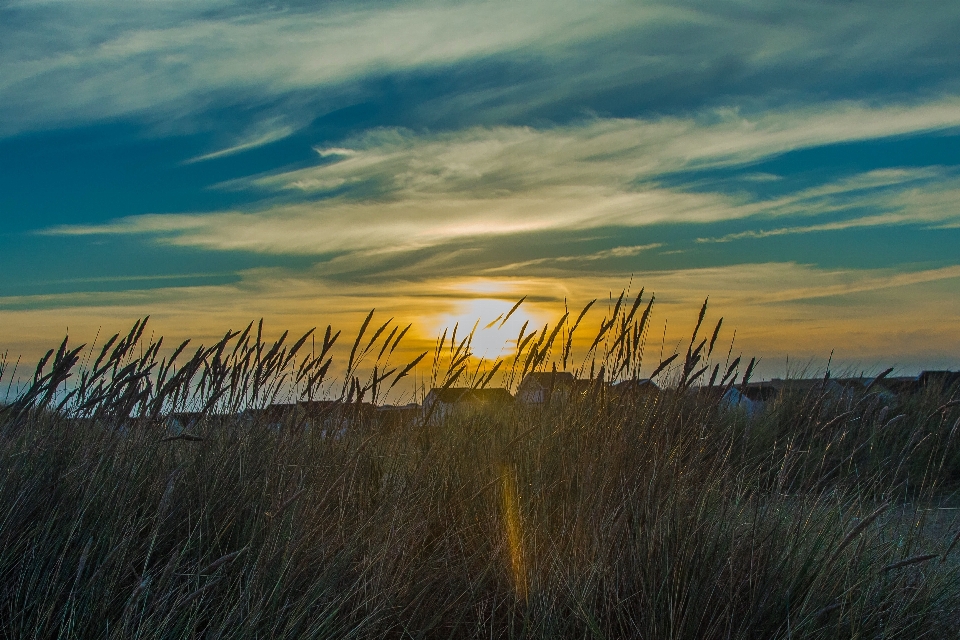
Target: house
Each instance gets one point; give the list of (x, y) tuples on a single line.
[(177, 423), (913, 384), (638, 388), (942, 379), (319, 412), (397, 416), (734, 398), (774, 388), (273, 416), (900, 385), (441, 403), (540, 387), (730, 397), (335, 416), (761, 391)]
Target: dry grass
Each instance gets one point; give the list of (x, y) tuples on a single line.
[(667, 517)]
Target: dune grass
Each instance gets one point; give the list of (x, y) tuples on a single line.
[(671, 516)]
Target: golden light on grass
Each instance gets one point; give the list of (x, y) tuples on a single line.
[(669, 516), (513, 526)]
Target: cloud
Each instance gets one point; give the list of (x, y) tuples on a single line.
[(882, 198), (391, 191), (265, 133), (336, 227), (88, 61), (606, 153), (572, 130), (606, 254), (172, 56)]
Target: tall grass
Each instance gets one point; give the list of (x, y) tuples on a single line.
[(596, 516)]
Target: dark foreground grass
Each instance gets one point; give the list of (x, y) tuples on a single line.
[(595, 517)]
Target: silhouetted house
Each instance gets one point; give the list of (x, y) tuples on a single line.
[(901, 385), (335, 416), (732, 397), (760, 391), (890, 386), (320, 412), (776, 387), (541, 387), (393, 416), (440, 403), (887, 388), (318, 407), (735, 399), (904, 385), (941, 379), (635, 389), (177, 423), (273, 416)]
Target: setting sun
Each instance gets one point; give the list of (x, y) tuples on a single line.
[(495, 335)]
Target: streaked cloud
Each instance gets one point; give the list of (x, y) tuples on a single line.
[(177, 60), (265, 133), (120, 59), (608, 152), (400, 192), (606, 254)]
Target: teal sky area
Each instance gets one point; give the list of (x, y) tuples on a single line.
[(210, 161)]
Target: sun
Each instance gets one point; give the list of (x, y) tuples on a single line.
[(493, 337)]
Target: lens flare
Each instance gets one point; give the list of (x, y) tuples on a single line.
[(513, 525)]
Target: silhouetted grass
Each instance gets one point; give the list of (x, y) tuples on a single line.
[(595, 516)]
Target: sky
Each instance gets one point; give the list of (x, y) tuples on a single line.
[(213, 162)]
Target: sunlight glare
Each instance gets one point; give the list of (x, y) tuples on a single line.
[(489, 342)]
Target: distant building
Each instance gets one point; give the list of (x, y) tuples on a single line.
[(900, 385), (639, 388), (393, 416), (942, 379), (273, 416), (730, 397), (440, 403), (890, 386), (179, 422), (541, 387), (772, 389)]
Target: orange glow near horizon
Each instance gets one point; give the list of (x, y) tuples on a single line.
[(867, 322)]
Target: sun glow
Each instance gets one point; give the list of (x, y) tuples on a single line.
[(496, 334)]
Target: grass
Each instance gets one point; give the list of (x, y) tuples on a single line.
[(593, 517)]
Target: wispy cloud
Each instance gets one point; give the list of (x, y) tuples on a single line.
[(265, 133), (176, 59), (606, 254), (612, 153), (174, 55), (398, 192)]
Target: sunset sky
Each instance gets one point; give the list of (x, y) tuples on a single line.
[(213, 162)]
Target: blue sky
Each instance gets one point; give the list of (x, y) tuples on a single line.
[(213, 162)]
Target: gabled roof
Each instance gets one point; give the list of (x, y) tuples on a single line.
[(494, 395), (272, 412), (454, 395), (185, 415), (641, 383), (318, 408), (943, 378), (546, 379), (449, 395)]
